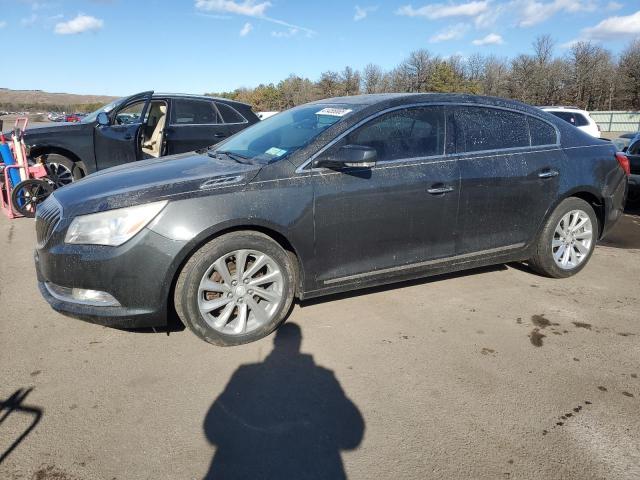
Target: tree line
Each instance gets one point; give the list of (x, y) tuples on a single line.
[(587, 76)]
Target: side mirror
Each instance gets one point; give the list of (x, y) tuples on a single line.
[(102, 119), (624, 149), (350, 156)]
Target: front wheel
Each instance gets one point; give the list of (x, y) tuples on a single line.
[(61, 170), (567, 240), (236, 289)]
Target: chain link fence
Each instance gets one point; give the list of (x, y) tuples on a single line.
[(617, 120)]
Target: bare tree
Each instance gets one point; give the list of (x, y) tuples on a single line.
[(350, 81), (629, 74), (372, 79)]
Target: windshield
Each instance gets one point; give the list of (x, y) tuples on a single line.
[(107, 108), (283, 134)]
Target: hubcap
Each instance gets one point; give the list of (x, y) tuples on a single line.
[(240, 292), (572, 239), (59, 174)]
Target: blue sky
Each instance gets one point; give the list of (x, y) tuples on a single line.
[(118, 47)]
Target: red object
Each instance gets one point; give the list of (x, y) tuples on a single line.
[(72, 117), (624, 163)]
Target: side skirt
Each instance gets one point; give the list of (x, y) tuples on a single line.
[(377, 278)]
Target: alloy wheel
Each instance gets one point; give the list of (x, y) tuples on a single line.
[(59, 175), (240, 292), (572, 239)]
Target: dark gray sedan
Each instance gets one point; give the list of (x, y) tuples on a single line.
[(330, 196)]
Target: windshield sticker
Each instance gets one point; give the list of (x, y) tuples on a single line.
[(275, 152), (334, 112)]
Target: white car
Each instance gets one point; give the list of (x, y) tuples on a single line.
[(576, 117)]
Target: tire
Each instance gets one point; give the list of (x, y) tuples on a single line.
[(27, 194), (551, 242), (61, 170), (633, 198), (202, 284)]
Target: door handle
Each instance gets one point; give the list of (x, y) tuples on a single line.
[(219, 135), (128, 136), (440, 190), (548, 174)]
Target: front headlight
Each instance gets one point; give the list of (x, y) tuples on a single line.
[(113, 227)]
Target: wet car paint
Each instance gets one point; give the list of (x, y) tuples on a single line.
[(348, 229)]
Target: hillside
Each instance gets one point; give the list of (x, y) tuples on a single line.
[(39, 100)]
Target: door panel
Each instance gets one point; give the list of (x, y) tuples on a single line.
[(507, 186), (186, 138), (116, 144), (384, 217), (503, 199), (371, 219)]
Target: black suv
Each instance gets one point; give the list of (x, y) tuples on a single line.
[(145, 125)]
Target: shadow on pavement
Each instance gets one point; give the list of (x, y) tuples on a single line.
[(283, 418), (15, 404), (625, 234)]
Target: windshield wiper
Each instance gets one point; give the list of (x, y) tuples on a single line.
[(236, 157)]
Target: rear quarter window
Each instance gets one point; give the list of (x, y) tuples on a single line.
[(230, 114), (541, 132), (581, 120), (485, 128)]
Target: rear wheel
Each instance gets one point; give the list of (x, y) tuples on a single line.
[(236, 289), (26, 196), (567, 240), (61, 170)]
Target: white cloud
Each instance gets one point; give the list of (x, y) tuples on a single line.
[(3, 24), (443, 10), (246, 29), (611, 6), (80, 24), (532, 12), (292, 32), (614, 27), (362, 12), (491, 39), (248, 8), (452, 33)]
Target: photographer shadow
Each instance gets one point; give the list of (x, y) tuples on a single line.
[(285, 417)]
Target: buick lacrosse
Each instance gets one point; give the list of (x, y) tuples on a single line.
[(330, 196)]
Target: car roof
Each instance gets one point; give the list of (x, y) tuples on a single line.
[(199, 97), (384, 100), (563, 109)]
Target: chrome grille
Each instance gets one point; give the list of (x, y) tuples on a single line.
[(48, 215)]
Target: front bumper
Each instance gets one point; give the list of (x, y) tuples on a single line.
[(138, 274)]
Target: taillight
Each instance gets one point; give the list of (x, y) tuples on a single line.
[(624, 163)]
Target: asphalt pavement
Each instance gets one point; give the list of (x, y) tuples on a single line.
[(494, 373)]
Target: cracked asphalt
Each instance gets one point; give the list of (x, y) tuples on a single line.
[(492, 373)]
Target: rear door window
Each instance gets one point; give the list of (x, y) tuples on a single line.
[(401, 134), (485, 128), (566, 116), (230, 114), (194, 112)]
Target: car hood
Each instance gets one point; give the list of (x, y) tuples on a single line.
[(173, 177), (53, 128)]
